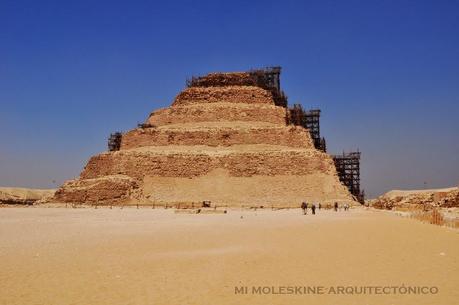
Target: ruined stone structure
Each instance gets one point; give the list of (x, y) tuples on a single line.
[(226, 138), (417, 199)]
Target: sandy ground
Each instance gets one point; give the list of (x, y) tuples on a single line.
[(145, 256)]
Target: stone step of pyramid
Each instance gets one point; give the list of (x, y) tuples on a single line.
[(230, 94), (217, 136), (219, 112), (222, 190), (193, 161)]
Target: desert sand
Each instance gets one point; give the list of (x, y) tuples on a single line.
[(155, 256)]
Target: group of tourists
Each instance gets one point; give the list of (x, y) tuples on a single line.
[(336, 207), (305, 206)]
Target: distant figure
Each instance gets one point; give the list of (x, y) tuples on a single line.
[(313, 209), (304, 206), (336, 206), (346, 206), (320, 206)]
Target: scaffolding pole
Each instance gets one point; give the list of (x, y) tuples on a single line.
[(348, 169)]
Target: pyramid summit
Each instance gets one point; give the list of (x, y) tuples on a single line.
[(227, 138)]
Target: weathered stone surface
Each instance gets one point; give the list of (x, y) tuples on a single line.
[(219, 112), (222, 189), (232, 94), (225, 79), (27, 196), (106, 189), (198, 161), (292, 136), (418, 199)]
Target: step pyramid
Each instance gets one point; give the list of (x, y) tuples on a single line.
[(225, 139)]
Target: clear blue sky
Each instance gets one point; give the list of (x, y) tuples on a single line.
[(384, 73)]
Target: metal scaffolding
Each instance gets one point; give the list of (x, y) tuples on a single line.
[(348, 169), (268, 77), (310, 120), (114, 141)]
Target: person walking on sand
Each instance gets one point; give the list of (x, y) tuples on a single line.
[(304, 206), (320, 206), (313, 209), (336, 206)]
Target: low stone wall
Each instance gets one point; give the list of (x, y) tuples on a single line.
[(138, 164), (220, 112), (285, 136), (231, 94)]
